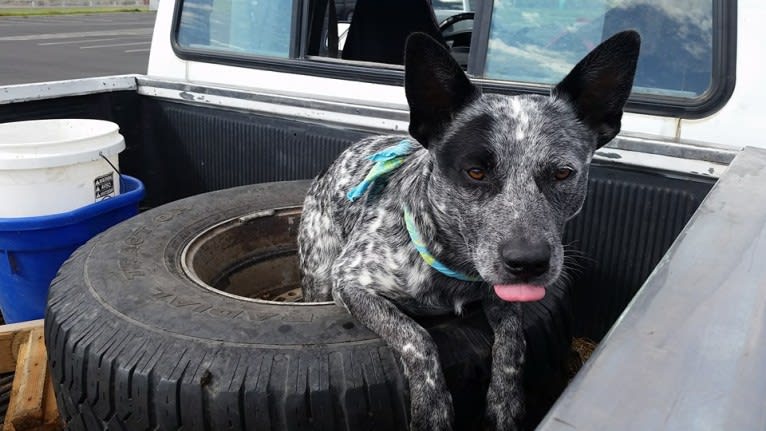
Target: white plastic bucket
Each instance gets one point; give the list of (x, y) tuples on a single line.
[(53, 166)]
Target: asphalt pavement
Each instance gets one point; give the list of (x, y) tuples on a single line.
[(49, 48)]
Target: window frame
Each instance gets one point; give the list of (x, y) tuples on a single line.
[(723, 79)]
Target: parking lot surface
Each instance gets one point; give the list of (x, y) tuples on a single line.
[(48, 48)]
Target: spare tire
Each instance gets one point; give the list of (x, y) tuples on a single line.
[(180, 317)]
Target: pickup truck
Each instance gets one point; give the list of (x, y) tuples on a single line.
[(245, 101)]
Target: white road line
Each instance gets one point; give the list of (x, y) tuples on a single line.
[(51, 21), (137, 50), (88, 24), (131, 32), (90, 19), (68, 42), (115, 44), (33, 21)]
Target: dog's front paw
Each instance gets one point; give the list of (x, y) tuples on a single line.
[(431, 409), (504, 412), (495, 420)]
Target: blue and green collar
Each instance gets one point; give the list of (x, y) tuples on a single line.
[(429, 258), (386, 161)]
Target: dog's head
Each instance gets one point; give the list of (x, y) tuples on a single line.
[(509, 171)]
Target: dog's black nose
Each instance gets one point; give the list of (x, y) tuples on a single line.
[(526, 259)]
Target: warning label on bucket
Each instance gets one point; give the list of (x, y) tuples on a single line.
[(104, 186)]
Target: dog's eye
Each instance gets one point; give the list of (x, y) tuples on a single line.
[(476, 173), (562, 174)]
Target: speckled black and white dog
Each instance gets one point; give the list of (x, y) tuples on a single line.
[(489, 188)]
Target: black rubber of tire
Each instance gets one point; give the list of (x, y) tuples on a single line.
[(134, 344)]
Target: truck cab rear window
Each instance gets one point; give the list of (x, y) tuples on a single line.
[(685, 69), (539, 41), (253, 27)]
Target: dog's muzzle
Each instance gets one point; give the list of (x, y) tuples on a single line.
[(525, 260)]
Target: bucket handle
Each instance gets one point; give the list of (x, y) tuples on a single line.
[(119, 174)]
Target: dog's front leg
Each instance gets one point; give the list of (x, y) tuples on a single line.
[(430, 400), (505, 397)]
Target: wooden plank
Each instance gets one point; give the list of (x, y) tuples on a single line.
[(11, 337), (51, 419), (7, 425), (31, 375), (26, 404)]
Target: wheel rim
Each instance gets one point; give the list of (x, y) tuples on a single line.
[(253, 258)]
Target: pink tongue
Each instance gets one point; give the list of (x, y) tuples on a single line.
[(519, 292)]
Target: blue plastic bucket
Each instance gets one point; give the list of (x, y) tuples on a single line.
[(33, 248)]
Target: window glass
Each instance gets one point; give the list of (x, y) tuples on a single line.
[(260, 27), (539, 41)]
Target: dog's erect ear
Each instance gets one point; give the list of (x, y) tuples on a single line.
[(599, 85), (436, 87)]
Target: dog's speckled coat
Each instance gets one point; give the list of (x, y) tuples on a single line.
[(359, 253)]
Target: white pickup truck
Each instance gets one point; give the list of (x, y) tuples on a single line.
[(184, 316)]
